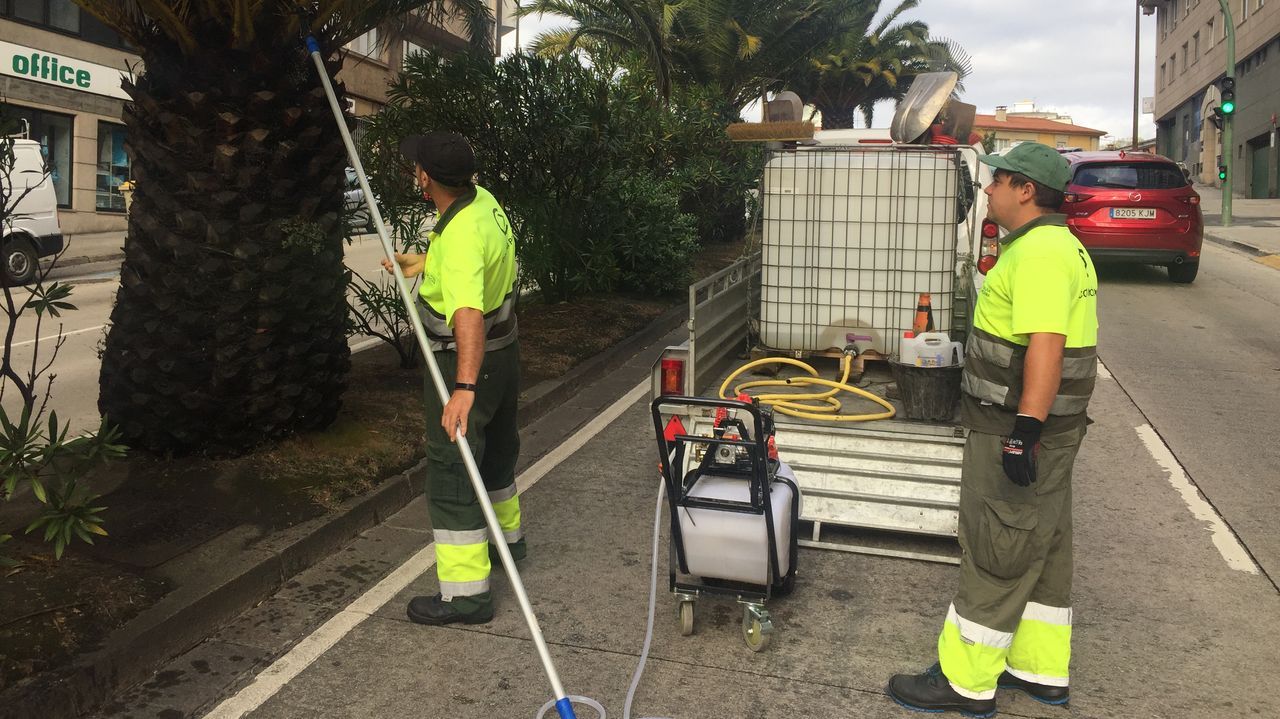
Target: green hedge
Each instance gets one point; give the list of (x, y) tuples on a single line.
[(607, 189)]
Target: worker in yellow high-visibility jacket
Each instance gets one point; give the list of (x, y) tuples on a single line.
[(1030, 368), (467, 303)]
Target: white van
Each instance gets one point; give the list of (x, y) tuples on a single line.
[(31, 229)]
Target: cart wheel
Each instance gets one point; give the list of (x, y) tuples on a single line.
[(686, 619), (755, 629)]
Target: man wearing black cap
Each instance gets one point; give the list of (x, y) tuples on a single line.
[(1029, 372), (467, 303)]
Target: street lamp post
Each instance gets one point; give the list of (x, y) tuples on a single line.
[(1228, 119), (1137, 60)]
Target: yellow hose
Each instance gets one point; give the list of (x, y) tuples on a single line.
[(795, 404)]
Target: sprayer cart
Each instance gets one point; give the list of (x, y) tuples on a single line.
[(734, 510)]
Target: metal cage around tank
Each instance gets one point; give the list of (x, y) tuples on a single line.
[(851, 237)]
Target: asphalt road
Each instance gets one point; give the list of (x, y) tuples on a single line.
[(75, 369), (1173, 616)]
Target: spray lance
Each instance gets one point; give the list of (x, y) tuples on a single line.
[(563, 703)]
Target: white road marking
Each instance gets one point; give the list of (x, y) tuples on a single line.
[(1103, 372), (283, 670), (1228, 546), (54, 337)]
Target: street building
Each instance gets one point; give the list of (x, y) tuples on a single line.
[(1191, 56), (60, 80), (1024, 123)]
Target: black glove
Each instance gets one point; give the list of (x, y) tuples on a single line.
[(1019, 450)]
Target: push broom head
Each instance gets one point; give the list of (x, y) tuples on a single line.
[(770, 131)]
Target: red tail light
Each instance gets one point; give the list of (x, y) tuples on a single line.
[(1191, 199), (1076, 197), (673, 376), (990, 247)]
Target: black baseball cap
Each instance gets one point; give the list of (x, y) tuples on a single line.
[(445, 156)]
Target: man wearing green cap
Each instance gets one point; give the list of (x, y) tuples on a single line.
[(1029, 372)]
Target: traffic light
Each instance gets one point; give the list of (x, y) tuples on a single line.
[(1222, 172), (1227, 92)]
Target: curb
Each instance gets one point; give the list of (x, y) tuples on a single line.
[(89, 259), (240, 573), (1236, 244)]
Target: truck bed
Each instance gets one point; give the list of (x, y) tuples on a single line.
[(884, 478)]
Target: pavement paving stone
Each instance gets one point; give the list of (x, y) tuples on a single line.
[(275, 625), (464, 674), (187, 684), (345, 574)]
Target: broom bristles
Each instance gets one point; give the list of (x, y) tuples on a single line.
[(766, 131)]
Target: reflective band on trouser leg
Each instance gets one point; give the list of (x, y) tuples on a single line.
[(1041, 650), (972, 656), (506, 504), (462, 562)]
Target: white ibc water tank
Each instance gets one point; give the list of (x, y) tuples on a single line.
[(851, 238)]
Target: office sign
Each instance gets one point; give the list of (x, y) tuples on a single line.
[(53, 69)]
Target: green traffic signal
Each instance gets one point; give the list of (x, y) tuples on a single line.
[(1228, 107), (1222, 172)]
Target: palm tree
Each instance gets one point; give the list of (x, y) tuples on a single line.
[(229, 326), (738, 47), (871, 64)]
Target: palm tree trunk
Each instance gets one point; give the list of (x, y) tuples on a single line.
[(229, 327), (836, 116)]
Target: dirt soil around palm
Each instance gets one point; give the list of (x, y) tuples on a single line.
[(158, 508)]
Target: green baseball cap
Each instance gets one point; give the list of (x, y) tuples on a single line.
[(1039, 162)]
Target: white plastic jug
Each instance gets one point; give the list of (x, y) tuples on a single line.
[(930, 349)]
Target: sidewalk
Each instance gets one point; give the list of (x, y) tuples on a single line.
[(1255, 224), (92, 247), (214, 581)]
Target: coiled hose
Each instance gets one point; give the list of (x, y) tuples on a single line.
[(801, 404)]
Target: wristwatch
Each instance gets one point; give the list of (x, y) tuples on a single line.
[(470, 387)]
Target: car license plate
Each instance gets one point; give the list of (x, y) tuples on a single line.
[(1133, 213)]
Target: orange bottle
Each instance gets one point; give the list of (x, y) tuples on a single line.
[(924, 315)]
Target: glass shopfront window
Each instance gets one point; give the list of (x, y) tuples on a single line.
[(53, 132), (113, 167)]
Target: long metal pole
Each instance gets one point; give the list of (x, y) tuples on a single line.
[(563, 704), (1228, 121), (1137, 63)]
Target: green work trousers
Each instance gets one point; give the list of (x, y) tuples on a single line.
[(1013, 609), (457, 521)]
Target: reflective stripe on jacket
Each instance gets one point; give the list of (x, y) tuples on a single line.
[(993, 375)]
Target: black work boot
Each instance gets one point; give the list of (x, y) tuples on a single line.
[(931, 692), (436, 611), (519, 550), (1043, 693)]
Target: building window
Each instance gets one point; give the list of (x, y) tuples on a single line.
[(1244, 11), (366, 44), (1184, 57), (53, 132), (113, 167), (412, 48), (1163, 71), (62, 16), (1209, 36)]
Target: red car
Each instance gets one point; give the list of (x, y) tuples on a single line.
[(1135, 207)]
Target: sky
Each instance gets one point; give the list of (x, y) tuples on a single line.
[(1074, 57)]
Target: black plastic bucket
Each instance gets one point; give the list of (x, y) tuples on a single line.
[(928, 392)]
